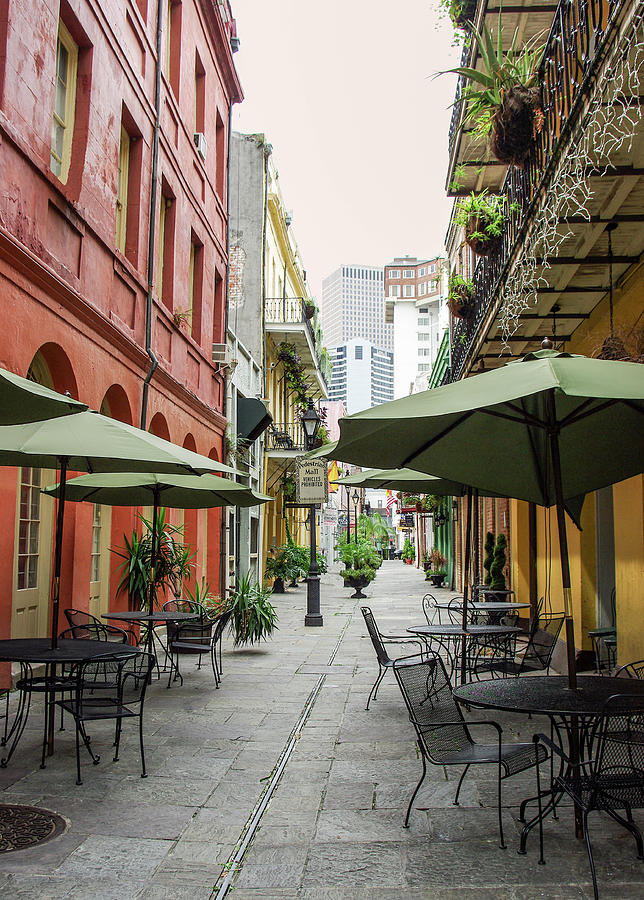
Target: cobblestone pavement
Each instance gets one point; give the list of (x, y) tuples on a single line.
[(330, 826)]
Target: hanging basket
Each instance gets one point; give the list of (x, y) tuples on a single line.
[(459, 304), (515, 125), (475, 228), (309, 310)]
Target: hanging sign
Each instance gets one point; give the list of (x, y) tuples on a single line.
[(311, 480)]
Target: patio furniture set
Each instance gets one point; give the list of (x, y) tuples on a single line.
[(596, 743)]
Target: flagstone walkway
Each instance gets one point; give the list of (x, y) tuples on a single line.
[(281, 785)]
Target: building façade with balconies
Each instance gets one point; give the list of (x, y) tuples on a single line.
[(568, 265)]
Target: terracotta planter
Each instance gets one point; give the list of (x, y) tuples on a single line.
[(515, 125)]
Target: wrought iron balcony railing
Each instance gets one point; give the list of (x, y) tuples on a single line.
[(298, 311), (286, 436), (576, 35)]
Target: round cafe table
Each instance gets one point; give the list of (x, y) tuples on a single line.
[(495, 610), (31, 652), (150, 620), (449, 637), (572, 712)]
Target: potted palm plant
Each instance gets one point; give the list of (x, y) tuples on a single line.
[(254, 617), (361, 561), (280, 567), (502, 98)]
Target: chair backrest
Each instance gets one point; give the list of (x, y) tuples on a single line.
[(618, 764), (543, 640), (96, 631), (429, 608), (374, 634), (427, 692), (77, 618), (123, 679), (183, 606), (219, 625), (631, 670)]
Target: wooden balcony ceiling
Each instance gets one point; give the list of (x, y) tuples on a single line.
[(578, 278), (481, 170), (297, 333)]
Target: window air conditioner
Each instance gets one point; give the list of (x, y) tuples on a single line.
[(200, 144), (222, 354)]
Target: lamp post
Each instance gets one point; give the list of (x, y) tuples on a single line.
[(348, 490), (311, 423), (356, 499)]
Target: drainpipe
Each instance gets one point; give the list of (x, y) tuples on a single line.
[(228, 180), (267, 152), (151, 229)]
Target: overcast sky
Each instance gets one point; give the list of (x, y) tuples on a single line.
[(344, 92)]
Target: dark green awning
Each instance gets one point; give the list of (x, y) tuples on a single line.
[(252, 418)]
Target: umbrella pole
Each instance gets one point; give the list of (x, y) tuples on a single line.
[(153, 561), (58, 551), (466, 577)]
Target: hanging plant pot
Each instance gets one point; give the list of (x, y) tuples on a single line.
[(477, 237), (459, 306), (515, 125), (613, 348), (309, 310)]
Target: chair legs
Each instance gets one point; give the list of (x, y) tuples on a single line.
[(460, 782), (590, 854), (413, 796), (374, 690), (144, 774)]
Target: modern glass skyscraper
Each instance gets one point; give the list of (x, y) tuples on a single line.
[(353, 306)]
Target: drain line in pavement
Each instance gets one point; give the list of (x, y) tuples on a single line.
[(234, 864)]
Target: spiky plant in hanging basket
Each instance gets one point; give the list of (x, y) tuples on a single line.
[(460, 296), (482, 217), (503, 99)]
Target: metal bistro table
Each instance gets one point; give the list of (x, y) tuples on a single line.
[(574, 712), (38, 651), (449, 637), (150, 620), (495, 609)]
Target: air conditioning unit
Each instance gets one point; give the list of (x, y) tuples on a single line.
[(200, 144), (222, 354)]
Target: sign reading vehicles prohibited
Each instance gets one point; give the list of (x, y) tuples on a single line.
[(312, 485)]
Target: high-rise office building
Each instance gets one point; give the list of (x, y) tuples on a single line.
[(363, 375), (353, 306)]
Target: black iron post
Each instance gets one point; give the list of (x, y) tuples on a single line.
[(313, 617), (356, 499)]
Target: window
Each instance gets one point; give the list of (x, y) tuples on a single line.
[(195, 287), (394, 290), (28, 529), (200, 95), (173, 44), (422, 289), (431, 268), (408, 273), (423, 309), (394, 273), (408, 290), (423, 320), (424, 337), (121, 195), (424, 351), (358, 353), (165, 251), (424, 367), (62, 130), (95, 565)]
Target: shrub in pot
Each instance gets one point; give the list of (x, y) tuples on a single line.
[(280, 567), (503, 97), (437, 571), (497, 567), (361, 561)]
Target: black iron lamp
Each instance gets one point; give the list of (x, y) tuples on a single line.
[(310, 424), (440, 518), (356, 499)]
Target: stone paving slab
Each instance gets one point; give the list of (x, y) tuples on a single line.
[(332, 829)]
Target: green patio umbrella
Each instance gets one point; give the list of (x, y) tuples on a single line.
[(22, 401), (546, 428), (176, 491), (404, 480), (89, 442)]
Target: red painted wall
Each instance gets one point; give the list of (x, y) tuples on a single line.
[(63, 282)]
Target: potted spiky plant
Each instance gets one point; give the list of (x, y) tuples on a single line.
[(503, 98)]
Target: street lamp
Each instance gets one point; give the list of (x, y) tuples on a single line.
[(311, 423), (356, 499), (348, 490)]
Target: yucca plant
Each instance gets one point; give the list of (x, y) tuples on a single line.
[(503, 99), (254, 616)]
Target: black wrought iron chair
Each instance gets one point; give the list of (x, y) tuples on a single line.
[(187, 637), (79, 619), (612, 779), (123, 699), (602, 638), (631, 670), (536, 654), (430, 609), (443, 734), (380, 643), (219, 625)]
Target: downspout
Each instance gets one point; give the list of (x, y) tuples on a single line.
[(228, 182), (151, 229), (267, 152)]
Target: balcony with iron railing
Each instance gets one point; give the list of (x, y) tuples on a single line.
[(567, 65), (286, 437), (294, 319)]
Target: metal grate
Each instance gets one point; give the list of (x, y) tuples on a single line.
[(26, 826)]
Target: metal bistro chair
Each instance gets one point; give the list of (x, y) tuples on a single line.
[(187, 637), (536, 654), (631, 670), (122, 700), (443, 734), (219, 625), (430, 609), (79, 619), (380, 642), (613, 779)]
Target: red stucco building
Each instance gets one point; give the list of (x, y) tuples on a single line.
[(113, 236)]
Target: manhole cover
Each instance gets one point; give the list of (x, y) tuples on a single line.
[(26, 826)]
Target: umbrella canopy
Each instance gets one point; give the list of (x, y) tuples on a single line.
[(22, 400), (546, 428), (89, 442), (404, 480), (176, 491)]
